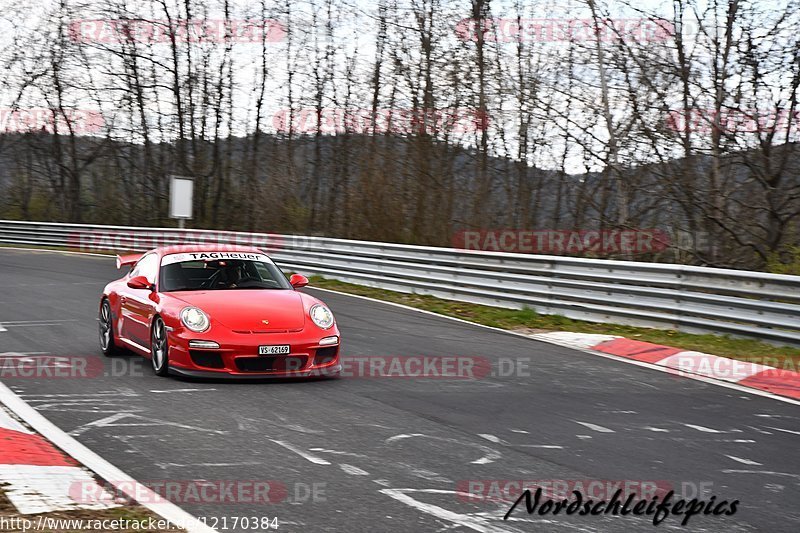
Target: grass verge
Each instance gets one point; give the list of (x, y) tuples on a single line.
[(528, 320)]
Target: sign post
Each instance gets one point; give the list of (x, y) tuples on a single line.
[(180, 199)]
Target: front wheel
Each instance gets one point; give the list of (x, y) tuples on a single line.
[(106, 325), (159, 348)]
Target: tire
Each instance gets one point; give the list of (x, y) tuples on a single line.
[(159, 348), (106, 327)]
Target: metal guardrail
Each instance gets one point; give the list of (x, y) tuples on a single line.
[(686, 298)]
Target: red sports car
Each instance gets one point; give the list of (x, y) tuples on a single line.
[(217, 311)]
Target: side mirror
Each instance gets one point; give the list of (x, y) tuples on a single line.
[(140, 282), (298, 281)]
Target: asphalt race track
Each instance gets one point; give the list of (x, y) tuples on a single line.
[(389, 454)]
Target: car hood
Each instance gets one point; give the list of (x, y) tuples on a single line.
[(246, 310)]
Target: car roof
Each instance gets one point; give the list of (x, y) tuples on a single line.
[(184, 248)]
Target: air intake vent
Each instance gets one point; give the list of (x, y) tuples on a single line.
[(265, 331), (325, 355), (271, 364), (206, 358)]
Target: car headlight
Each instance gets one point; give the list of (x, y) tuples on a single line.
[(195, 319), (321, 316)]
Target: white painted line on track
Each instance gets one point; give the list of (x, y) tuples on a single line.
[(111, 421), (784, 430), (211, 465), (113, 393), (473, 522), (48, 322), (743, 460), (485, 460), (37, 325), (762, 472), (595, 427), (307, 456), (403, 436), (353, 470), (181, 390), (490, 454), (340, 452), (103, 422), (703, 429), (2, 328), (101, 467)]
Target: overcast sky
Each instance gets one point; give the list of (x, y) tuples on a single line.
[(354, 36)]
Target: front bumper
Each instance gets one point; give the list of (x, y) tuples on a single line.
[(326, 372), (237, 355)]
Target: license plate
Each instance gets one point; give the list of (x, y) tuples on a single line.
[(276, 349)]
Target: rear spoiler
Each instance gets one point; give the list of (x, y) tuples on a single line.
[(128, 260)]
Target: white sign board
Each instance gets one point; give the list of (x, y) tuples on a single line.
[(180, 197)]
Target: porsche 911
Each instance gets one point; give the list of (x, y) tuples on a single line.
[(217, 311)]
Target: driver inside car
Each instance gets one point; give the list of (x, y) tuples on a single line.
[(234, 275)]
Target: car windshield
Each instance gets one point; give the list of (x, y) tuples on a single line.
[(206, 271)]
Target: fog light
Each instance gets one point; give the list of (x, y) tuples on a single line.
[(204, 344), (327, 341)]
